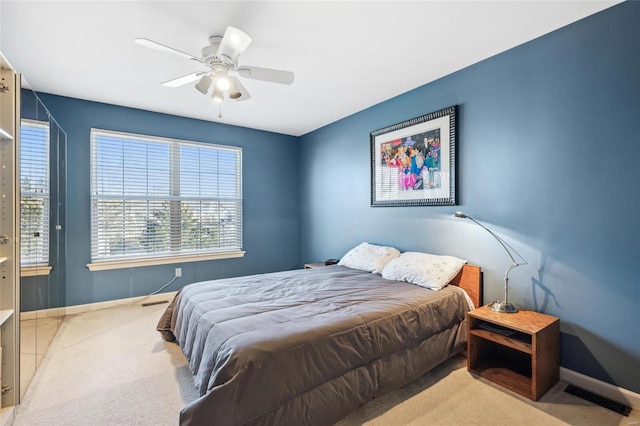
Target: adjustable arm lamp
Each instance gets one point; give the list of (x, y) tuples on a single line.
[(498, 305)]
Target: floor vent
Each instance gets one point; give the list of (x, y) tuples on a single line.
[(600, 400), (155, 303)]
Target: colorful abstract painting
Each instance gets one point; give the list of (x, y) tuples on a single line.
[(413, 163)]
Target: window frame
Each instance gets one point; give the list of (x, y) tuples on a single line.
[(139, 259)]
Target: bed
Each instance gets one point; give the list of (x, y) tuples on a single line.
[(309, 346)]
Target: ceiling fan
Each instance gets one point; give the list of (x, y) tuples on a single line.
[(221, 57)]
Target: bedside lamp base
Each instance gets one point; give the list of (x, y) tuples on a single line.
[(503, 307)]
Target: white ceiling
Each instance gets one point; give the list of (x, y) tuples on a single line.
[(346, 56)]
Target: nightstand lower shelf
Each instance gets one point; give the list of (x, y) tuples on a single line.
[(508, 374)]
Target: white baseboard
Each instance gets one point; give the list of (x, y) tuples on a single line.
[(621, 395), (78, 309), (43, 313)]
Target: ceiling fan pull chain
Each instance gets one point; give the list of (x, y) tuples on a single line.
[(219, 110)]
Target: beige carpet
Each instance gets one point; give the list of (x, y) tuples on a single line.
[(111, 367)]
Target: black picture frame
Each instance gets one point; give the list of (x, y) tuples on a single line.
[(413, 163)]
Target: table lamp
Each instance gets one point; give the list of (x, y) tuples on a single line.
[(500, 305)]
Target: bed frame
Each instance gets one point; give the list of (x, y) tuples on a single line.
[(470, 280)]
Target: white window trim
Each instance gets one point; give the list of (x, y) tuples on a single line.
[(108, 264), (35, 270), (159, 260)]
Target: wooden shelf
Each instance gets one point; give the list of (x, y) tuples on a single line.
[(513, 342), (5, 314), (5, 135), (527, 361), (509, 378)]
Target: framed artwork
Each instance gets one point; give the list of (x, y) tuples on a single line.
[(413, 163)]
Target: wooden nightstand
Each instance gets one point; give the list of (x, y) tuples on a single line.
[(524, 358), (313, 265)]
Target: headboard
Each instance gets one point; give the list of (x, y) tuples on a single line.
[(470, 280)]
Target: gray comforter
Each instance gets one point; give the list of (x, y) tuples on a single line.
[(307, 347)]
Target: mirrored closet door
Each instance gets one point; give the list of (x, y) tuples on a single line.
[(42, 231)]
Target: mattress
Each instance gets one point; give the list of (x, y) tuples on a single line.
[(307, 346)]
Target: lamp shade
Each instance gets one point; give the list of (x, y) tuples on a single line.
[(204, 84), (217, 95), (237, 92)]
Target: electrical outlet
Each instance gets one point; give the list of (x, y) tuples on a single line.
[(178, 272)]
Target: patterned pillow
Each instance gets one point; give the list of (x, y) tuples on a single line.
[(423, 269), (369, 257)]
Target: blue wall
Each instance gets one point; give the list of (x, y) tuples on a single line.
[(547, 157), (270, 200)]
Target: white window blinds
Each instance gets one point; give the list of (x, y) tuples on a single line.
[(34, 193), (153, 197)]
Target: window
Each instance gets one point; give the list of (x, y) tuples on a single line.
[(159, 200), (34, 193)]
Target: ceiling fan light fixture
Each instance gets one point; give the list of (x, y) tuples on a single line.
[(234, 93), (233, 44), (217, 95), (222, 82), (237, 92), (204, 84)]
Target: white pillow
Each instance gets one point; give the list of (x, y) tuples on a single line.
[(369, 257), (423, 269)]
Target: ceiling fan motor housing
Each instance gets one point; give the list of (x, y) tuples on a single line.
[(210, 55)]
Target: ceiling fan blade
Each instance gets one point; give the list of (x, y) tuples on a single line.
[(185, 79), (233, 43), (162, 48), (237, 91), (266, 74)]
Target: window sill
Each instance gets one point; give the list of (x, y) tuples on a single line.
[(35, 271), (134, 263)]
